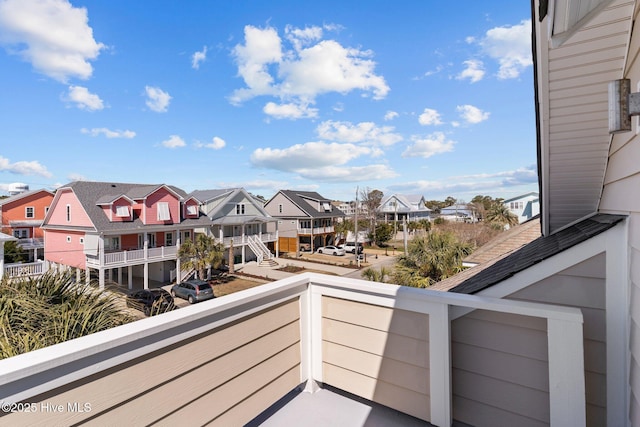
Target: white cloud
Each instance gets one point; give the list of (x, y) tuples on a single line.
[(494, 183), (76, 177), (474, 71), (471, 114), (289, 111), (24, 168), (390, 115), (365, 133), (128, 134), (157, 99), (216, 143), (174, 141), (348, 173), (436, 143), (52, 35), (310, 68), (84, 99), (307, 156), (198, 57), (511, 47), (429, 117)]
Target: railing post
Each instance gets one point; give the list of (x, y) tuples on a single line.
[(566, 373), (440, 364), (311, 342)]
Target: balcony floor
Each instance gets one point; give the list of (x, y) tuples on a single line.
[(331, 407)]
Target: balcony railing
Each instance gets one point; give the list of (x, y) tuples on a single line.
[(132, 257), (242, 240), (31, 243), (226, 360), (25, 269), (317, 230)]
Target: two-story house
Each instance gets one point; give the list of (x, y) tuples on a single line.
[(397, 207), (525, 206), (120, 229), (238, 220), (21, 216), (305, 218)]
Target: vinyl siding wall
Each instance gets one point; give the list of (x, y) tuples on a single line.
[(500, 361), (620, 195), (377, 353), (224, 377)]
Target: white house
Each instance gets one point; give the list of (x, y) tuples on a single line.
[(396, 207), (525, 206)]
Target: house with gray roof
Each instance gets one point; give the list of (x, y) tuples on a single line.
[(397, 207), (305, 219), (122, 231), (239, 221)]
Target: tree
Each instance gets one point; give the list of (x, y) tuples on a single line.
[(13, 252), (374, 275), (383, 233), (371, 200), (500, 214), (53, 308), (430, 259), (201, 254)]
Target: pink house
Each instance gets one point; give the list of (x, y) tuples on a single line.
[(121, 231)]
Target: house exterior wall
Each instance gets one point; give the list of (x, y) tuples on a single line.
[(151, 207), (500, 366), (620, 195), (79, 217), (16, 211), (288, 208), (64, 247), (378, 353)]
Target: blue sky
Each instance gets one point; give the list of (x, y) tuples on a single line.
[(413, 97)]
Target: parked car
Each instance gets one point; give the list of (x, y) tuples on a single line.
[(333, 250), (193, 290), (351, 247), (305, 247), (150, 301)]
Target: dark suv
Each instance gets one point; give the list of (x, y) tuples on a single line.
[(150, 301), (193, 290)]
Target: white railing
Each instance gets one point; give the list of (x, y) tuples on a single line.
[(242, 240), (31, 243), (25, 269), (316, 230), (37, 373), (132, 257)]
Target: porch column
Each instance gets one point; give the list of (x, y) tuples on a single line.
[(178, 264), (101, 278), (78, 275), (1, 259), (146, 274), (87, 276), (130, 276), (119, 275), (244, 245)]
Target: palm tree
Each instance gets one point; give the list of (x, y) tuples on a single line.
[(53, 308), (500, 214), (201, 254), (435, 256), (374, 275)]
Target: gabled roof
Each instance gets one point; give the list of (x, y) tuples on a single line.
[(207, 195), (298, 198), (217, 216), (522, 196), (540, 249), (89, 193), (408, 201), (26, 194)]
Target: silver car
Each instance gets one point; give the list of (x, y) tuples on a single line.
[(193, 290)]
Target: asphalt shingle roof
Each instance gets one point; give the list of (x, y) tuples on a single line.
[(540, 249), (298, 198)]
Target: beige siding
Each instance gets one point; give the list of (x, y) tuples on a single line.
[(578, 140), (377, 353), (500, 369), (210, 378), (634, 344), (288, 208)]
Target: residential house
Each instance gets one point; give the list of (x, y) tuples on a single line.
[(239, 219), (397, 207), (120, 230), (458, 212), (304, 217), (547, 335), (22, 215), (525, 206)]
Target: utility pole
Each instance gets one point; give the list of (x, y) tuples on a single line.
[(355, 225)]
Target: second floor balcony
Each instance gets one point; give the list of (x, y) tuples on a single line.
[(317, 230), (228, 360), (115, 258)]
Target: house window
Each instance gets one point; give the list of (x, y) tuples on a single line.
[(46, 210), (240, 209), (280, 208), (326, 206), (112, 243), (20, 234), (163, 211), (305, 224), (168, 239), (68, 213), (82, 240), (29, 212), (192, 210), (122, 211), (68, 239), (186, 235)]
